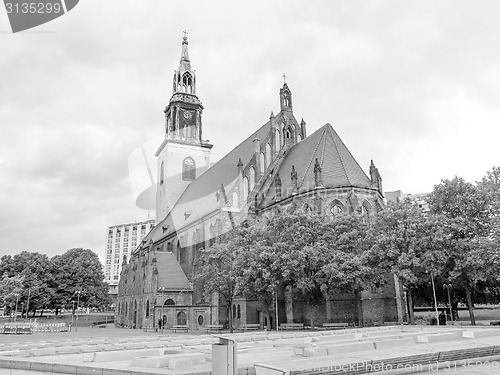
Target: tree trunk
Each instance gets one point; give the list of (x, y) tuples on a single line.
[(468, 295), (230, 316), (41, 312), (268, 316), (411, 312), (311, 314), (454, 309)]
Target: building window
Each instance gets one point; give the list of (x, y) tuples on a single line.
[(147, 309), (277, 141), (245, 189), (234, 311), (268, 155), (169, 302), (182, 318), (188, 169), (336, 210), (239, 312), (262, 163), (252, 178)]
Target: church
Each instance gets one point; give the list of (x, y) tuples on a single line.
[(278, 167)]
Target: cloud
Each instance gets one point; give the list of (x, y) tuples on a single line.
[(413, 85)]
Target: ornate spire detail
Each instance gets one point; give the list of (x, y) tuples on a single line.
[(375, 177), (185, 53), (317, 174), (277, 184), (293, 176), (286, 98)]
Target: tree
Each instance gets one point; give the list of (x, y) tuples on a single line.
[(347, 268), (34, 268), (215, 270), (259, 267), (10, 289), (468, 214), (78, 271)]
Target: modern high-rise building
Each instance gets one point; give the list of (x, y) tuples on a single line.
[(121, 240)]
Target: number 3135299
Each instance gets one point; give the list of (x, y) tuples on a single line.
[(33, 8)]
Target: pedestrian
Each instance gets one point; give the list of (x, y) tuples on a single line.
[(442, 319), (160, 323)]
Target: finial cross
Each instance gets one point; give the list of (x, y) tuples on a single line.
[(284, 78), (185, 33)]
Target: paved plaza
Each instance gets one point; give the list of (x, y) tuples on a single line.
[(425, 349)]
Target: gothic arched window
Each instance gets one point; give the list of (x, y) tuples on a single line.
[(169, 302), (262, 163), (162, 173), (147, 309), (252, 178), (182, 318), (188, 169), (187, 83), (364, 212), (277, 142), (268, 155), (336, 208), (245, 189)]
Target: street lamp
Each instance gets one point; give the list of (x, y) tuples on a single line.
[(448, 286), (77, 305), (17, 301)]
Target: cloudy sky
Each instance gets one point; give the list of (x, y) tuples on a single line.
[(413, 85)]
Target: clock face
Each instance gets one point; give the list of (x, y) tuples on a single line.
[(187, 115)]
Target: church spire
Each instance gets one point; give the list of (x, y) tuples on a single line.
[(184, 110), (185, 76), (185, 53)]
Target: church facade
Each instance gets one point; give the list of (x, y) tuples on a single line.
[(278, 167)]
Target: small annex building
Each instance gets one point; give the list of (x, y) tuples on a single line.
[(276, 168)]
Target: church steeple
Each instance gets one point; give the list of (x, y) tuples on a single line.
[(184, 77), (183, 113), (183, 154), (286, 98)]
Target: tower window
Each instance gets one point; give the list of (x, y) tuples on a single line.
[(162, 173), (188, 169)]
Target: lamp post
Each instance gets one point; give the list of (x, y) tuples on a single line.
[(17, 301), (77, 306), (448, 286)]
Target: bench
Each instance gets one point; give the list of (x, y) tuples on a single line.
[(249, 327), (335, 325), (214, 327), (287, 326), (176, 328)]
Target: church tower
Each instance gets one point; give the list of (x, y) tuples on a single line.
[(183, 155)]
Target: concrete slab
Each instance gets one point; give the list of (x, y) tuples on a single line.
[(180, 364), (128, 355), (350, 348)]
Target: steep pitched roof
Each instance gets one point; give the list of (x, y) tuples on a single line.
[(199, 198), (171, 276), (339, 168)]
